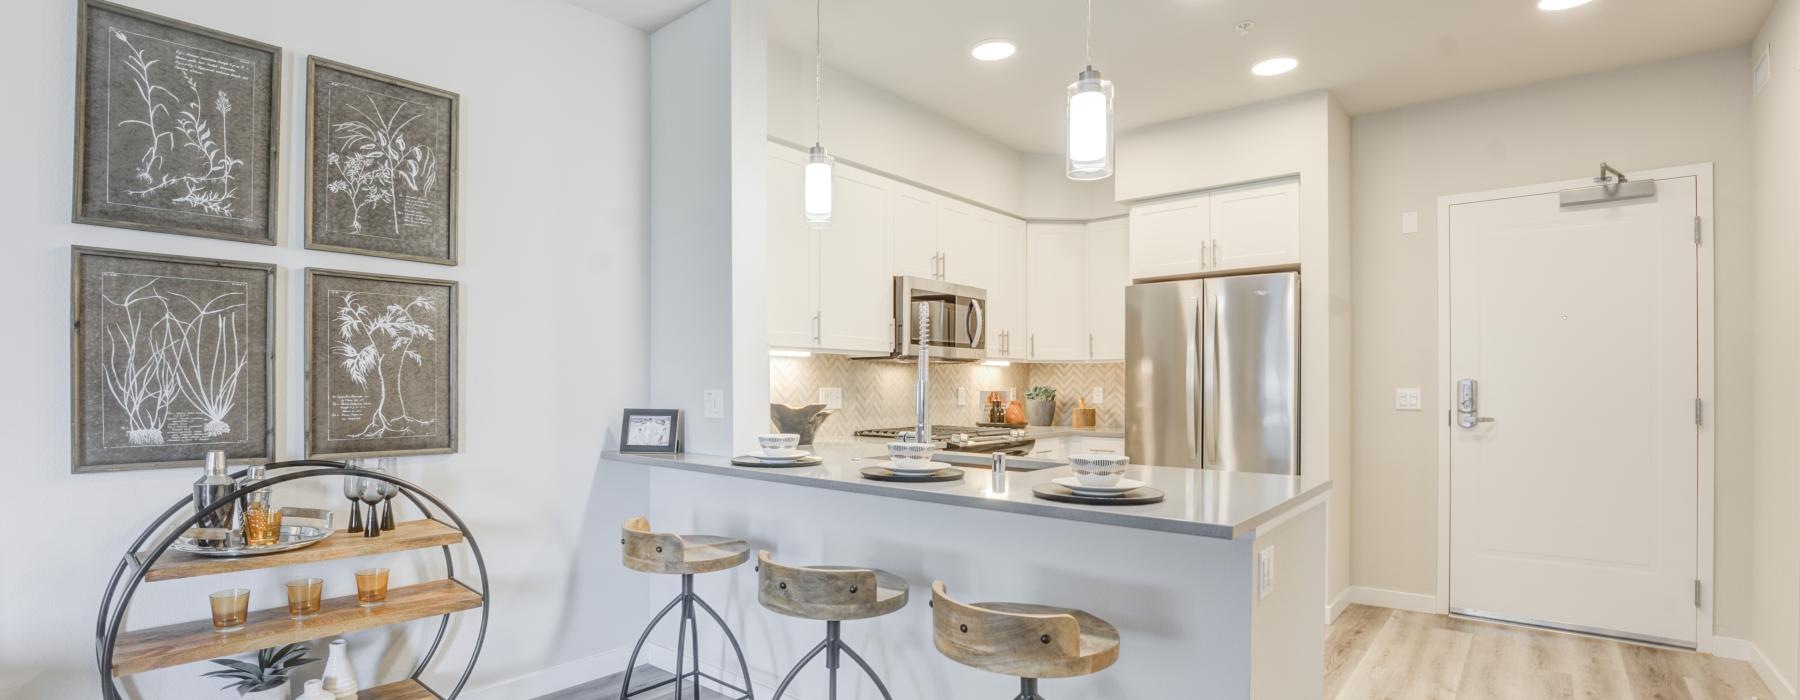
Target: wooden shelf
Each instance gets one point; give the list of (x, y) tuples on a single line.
[(138, 651), (404, 690), (412, 534)]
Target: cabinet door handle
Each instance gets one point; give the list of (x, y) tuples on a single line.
[(943, 266), (1032, 342), (816, 328), (1090, 346), (1203, 247), (1215, 254)]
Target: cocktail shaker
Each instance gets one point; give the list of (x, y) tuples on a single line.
[(212, 487)]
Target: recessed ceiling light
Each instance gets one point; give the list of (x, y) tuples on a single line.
[(1274, 66), (993, 50), (1559, 5)]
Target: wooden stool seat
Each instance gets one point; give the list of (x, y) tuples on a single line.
[(828, 592), (1021, 639), (664, 553)]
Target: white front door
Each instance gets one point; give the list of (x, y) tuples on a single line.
[(1576, 504)]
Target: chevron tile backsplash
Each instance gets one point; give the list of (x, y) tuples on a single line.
[(879, 393)]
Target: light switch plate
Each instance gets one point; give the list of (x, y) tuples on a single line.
[(962, 396), (1265, 572), (832, 397), (1409, 222), (1097, 396), (1407, 399), (714, 401)]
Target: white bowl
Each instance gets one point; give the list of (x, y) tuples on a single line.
[(778, 444), (910, 453), (1099, 470)]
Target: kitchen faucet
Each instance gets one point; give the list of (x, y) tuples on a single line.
[(923, 432)]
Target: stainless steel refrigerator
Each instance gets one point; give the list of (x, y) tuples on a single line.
[(1212, 373)]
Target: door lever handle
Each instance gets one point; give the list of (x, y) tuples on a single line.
[(1467, 414)]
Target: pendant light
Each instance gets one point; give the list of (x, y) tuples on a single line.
[(1090, 118), (817, 173)]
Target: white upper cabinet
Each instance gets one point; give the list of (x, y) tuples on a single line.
[(915, 231), (793, 257), (1056, 278), (1008, 296), (1237, 228), (965, 244), (1107, 277), (829, 289), (855, 289), (1166, 237), (1256, 226)]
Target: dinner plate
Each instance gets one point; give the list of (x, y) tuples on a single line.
[(783, 455), (927, 468), (1074, 484)]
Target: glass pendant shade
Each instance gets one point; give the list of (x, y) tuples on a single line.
[(1090, 143), (818, 187)]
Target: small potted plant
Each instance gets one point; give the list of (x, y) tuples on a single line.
[(1040, 405), (267, 679)]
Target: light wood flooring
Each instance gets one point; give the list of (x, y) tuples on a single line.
[(1381, 653)]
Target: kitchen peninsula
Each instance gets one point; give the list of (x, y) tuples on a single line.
[(1178, 578)]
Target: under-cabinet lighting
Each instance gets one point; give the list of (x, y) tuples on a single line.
[(789, 353), (996, 363)]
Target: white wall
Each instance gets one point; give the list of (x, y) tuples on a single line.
[(553, 222), (1678, 112), (1305, 136), (1775, 624), (708, 230)]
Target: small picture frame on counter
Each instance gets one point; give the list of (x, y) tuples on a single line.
[(651, 431)]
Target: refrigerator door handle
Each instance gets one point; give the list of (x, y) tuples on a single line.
[(1193, 379), (1210, 385)]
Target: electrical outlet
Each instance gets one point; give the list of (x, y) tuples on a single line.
[(1407, 399), (962, 396), (714, 400), (832, 397), (1265, 572), (1097, 396)]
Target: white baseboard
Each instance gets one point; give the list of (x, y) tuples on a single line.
[(1745, 650), (601, 665), (1384, 598), (1337, 605)]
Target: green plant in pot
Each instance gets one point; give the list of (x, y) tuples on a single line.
[(267, 679), (1040, 405)]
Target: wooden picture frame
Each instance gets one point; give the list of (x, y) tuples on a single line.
[(650, 431), (393, 174), (170, 356), (382, 365), (161, 108)]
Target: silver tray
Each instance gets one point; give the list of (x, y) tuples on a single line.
[(300, 527)]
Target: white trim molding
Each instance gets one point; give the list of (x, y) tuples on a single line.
[(1384, 598), (1705, 357), (1745, 650)]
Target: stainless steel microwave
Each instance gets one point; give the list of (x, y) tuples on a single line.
[(958, 313)]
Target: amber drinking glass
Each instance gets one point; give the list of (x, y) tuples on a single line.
[(371, 587), (303, 597), (262, 525), (230, 608)]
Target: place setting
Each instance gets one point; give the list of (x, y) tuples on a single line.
[(779, 450), (910, 462), (1099, 480)]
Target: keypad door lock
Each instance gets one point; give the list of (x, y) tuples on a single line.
[(1467, 414)]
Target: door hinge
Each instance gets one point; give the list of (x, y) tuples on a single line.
[(1699, 411), (1696, 230), (1696, 593)]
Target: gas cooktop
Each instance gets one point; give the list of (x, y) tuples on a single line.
[(964, 438), (938, 432)]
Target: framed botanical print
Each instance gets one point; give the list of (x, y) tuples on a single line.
[(172, 357), (651, 430), (381, 165), (176, 127), (381, 365)]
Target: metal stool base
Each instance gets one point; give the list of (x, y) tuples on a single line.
[(833, 644), (687, 600), (1028, 690)]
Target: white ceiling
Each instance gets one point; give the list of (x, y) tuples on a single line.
[(648, 15), (1175, 58)]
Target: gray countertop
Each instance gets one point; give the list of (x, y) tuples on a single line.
[(1206, 503)]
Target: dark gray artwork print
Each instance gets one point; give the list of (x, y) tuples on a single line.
[(173, 360), (382, 361), (381, 160), (176, 129)]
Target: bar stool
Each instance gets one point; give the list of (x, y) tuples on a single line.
[(832, 594), (663, 553), (1021, 639)]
